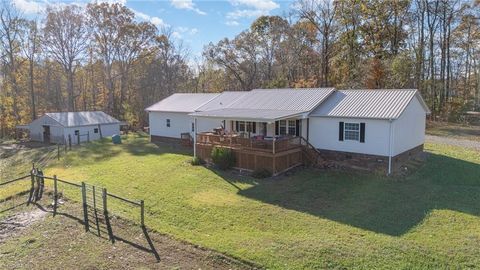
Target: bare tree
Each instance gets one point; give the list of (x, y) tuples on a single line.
[(31, 49), (11, 25), (66, 39)]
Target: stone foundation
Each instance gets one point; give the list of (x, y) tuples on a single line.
[(365, 162)]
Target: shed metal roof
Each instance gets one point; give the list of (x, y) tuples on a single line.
[(72, 119), (376, 104), (182, 102)]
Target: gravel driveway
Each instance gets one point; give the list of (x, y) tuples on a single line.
[(452, 141)]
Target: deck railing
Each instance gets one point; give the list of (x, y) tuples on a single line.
[(261, 145)]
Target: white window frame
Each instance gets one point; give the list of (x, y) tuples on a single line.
[(351, 131), (282, 124), (294, 126), (247, 126)]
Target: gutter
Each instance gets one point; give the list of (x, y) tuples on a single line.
[(390, 146)]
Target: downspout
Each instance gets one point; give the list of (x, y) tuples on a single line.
[(195, 137), (390, 139)]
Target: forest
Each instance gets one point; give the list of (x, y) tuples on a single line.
[(100, 57)]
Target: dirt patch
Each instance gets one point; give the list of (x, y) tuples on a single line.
[(14, 224), (34, 239)]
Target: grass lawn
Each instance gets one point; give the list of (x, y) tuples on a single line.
[(312, 219), (453, 130)]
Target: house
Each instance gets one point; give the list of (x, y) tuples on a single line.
[(277, 129), (60, 127)]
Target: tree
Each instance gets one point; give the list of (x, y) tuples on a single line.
[(66, 39), (31, 49)]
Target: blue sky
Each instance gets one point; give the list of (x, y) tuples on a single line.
[(194, 22)]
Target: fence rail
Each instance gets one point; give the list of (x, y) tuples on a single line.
[(15, 180), (90, 200)]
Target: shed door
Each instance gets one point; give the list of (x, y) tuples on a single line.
[(46, 134)]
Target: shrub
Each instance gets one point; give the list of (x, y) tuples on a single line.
[(261, 173), (196, 161), (223, 157)]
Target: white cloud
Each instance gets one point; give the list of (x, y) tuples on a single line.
[(266, 5), (158, 22), (176, 35), (246, 13), (180, 31), (232, 23), (249, 9), (187, 4), (30, 6)]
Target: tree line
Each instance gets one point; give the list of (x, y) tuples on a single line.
[(98, 57), (430, 45)]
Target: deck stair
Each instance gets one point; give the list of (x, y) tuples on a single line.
[(311, 155)]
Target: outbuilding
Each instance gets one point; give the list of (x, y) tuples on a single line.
[(77, 127)]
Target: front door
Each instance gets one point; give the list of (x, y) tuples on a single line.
[(46, 134)]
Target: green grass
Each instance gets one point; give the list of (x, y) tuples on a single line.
[(313, 219), (454, 130)]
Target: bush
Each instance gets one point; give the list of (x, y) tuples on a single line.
[(196, 161), (223, 157), (261, 173)]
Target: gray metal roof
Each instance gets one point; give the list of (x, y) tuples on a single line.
[(182, 102), (247, 114), (377, 104), (223, 100), (72, 119), (301, 100)]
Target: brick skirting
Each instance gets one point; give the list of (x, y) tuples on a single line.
[(162, 139), (365, 162)]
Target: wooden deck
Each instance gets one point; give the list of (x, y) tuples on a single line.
[(251, 154)]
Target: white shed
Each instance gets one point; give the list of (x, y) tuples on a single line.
[(78, 126)]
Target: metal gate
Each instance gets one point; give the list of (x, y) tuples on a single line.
[(95, 210)]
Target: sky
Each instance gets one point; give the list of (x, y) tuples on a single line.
[(195, 23)]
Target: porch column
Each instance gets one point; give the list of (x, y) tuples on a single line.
[(195, 137)]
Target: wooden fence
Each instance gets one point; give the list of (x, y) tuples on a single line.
[(95, 204)]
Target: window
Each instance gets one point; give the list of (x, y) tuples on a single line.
[(168, 122), (283, 127), (352, 131), (243, 126), (292, 127), (95, 130), (77, 132), (193, 127)]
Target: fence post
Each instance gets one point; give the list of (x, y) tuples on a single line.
[(58, 151), (142, 213), (36, 193), (70, 141), (88, 136), (78, 138), (55, 195), (85, 210), (30, 196), (105, 214)]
